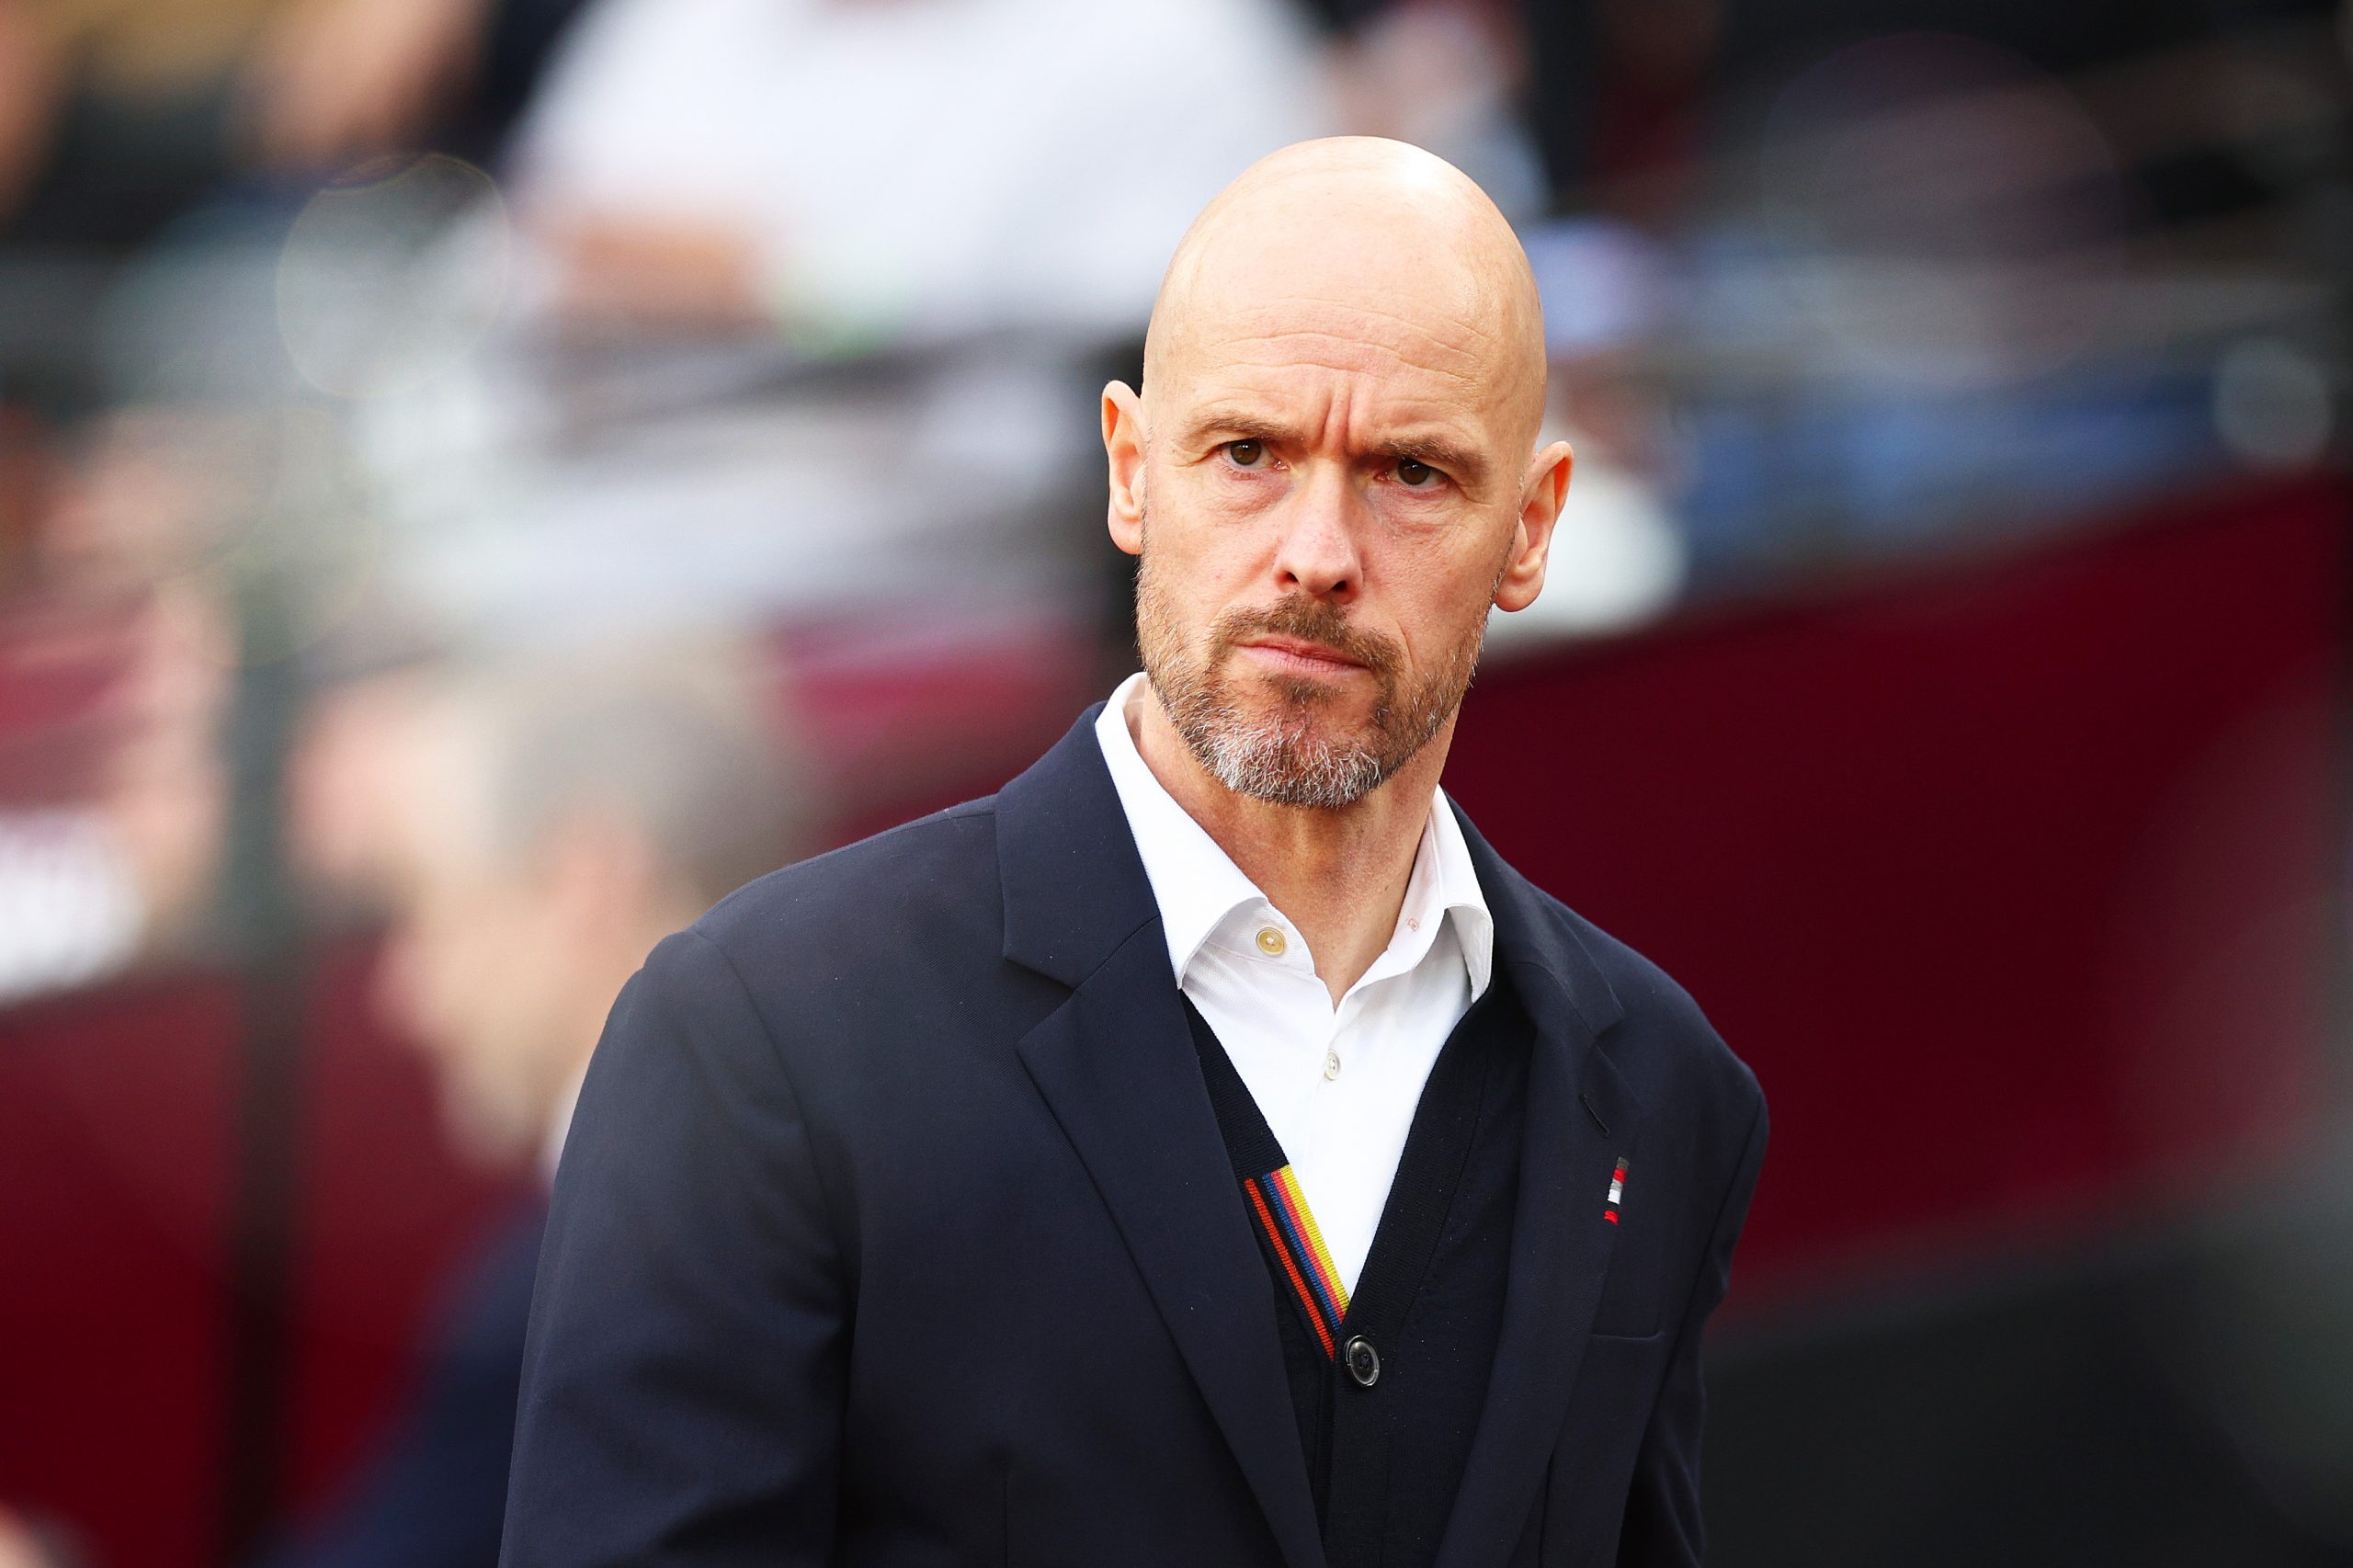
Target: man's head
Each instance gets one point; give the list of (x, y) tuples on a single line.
[(1331, 473), (552, 826)]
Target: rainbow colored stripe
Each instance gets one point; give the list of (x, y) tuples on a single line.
[(1289, 1225)]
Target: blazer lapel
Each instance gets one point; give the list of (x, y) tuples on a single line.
[(1115, 1063), (1561, 1244)]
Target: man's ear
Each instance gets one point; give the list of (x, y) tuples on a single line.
[(1124, 449), (1531, 541)]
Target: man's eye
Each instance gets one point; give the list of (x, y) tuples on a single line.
[(1415, 475), (1247, 454)]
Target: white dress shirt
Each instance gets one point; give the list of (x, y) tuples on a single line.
[(1337, 1084), (910, 166)]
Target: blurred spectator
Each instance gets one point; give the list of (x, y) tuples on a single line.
[(332, 82), (790, 293), (89, 886), (116, 678), (545, 827), (123, 122), (114, 114), (865, 169)]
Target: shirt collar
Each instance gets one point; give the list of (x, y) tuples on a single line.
[(1200, 889), (1458, 897)]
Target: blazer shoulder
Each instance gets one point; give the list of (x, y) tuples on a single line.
[(1669, 1032), (879, 894)]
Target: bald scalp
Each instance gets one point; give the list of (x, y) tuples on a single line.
[(1398, 236)]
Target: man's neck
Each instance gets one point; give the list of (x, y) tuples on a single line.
[(1340, 875)]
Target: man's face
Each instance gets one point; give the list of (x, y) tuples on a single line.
[(483, 968), (1330, 500), (473, 976)]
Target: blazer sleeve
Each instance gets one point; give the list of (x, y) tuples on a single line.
[(1662, 1528), (684, 1373)]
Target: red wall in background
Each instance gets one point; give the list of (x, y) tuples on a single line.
[(115, 1174), (117, 1115), (2013, 884)]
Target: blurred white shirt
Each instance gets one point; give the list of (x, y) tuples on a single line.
[(927, 165), (993, 186), (70, 907), (1337, 1085)]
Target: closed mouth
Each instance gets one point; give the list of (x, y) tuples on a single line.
[(1300, 651)]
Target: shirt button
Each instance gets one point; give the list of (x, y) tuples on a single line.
[(1331, 1065), (1362, 1361), (1270, 942)]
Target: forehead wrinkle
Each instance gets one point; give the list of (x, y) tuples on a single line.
[(1349, 362), (1453, 328), (1482, 396), (1246, 383), (1241, 418), (1258, 336), (1429, 323), (1416, 344)]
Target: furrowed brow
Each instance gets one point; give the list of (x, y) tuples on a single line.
[(1236, 425), (1465, 463)]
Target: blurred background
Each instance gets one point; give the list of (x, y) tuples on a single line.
[(479, 479)]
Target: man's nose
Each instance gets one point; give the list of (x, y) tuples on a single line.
[(1318, 553)]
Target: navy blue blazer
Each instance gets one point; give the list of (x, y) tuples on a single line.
[(894, 1228)]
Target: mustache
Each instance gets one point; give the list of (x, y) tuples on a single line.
[(1310, 621)]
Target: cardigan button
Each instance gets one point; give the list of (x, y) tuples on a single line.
[(1362, 1361)]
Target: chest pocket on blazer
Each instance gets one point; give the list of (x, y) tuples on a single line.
[(1642, 1255)]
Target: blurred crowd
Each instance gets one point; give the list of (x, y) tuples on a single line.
[(345, 336), (462, 461)]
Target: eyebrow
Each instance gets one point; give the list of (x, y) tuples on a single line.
[(1439, 451)]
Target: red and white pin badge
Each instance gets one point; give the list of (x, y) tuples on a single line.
[(1616, 1189)]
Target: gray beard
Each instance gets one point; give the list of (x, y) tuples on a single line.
[(1280, 759), (1284, 758)]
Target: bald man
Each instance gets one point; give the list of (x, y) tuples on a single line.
[(1206, 1152)]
